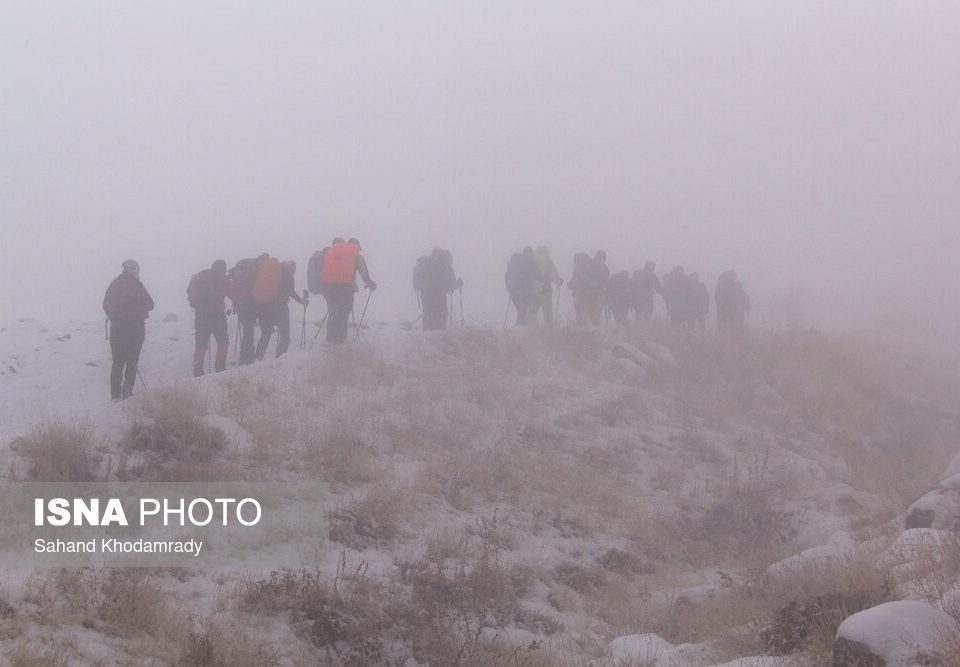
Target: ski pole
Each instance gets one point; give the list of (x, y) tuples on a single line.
[(364, 313), (303, 326), (319, 328), (236, 341)]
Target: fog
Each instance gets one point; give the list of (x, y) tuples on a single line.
[(808, 145)]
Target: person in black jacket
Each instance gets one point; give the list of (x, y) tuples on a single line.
[(206, 293), (436, 280), (279, 311), (127, 305)]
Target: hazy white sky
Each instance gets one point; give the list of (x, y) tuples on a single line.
[(803, 143)]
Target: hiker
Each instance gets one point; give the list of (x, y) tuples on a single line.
[(127, 305), (205, 294), (521, 274), (618, 296), (741, 307), (435, 280), (341, 263), (726, 296), (586, 290), (541, 298), (676, 296), (644, 284), (602, 278), (265, 296), (277, 312), (699, 299), (243, 276)]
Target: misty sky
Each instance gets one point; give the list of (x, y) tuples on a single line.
[(808, 144)]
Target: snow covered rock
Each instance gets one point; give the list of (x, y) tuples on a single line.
[(940, 508), (808, 559), (913, 544), (634, 354), (645, 648), (760, 661), (171, 317), (893, 633), (661, 353)]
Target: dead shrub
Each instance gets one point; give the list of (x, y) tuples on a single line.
[(625, 563), (218, 646), (373, 519), (745, 519), (171, 441), (458, 592), (60, 452), (578, 577), (345, 616), (131, 604), (341, 454), (820, 602)]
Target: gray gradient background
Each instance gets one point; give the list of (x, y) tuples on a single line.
[(806, 144)]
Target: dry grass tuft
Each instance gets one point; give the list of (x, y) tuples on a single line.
[(170, 441), (373, 519), (60, 452), (346, 616)]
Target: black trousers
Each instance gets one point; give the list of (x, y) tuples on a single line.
[(267, 317), (126, 341), (434, 309), (247, 318), (339, 306), (206, 325), (274, 315)]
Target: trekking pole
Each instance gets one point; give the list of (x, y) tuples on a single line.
[(507, 313), (303, 326), (461, 306), (106, 327), (142, 383), (449, 323), (556, 308), (236, 342), (319, 329), (363, 313)]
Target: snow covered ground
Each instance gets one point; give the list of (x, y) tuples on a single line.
[(500, 497)]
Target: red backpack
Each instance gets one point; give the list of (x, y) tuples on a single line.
[(267, 285), (339, 264)]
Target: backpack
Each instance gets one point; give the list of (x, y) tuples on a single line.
[(339, 263), (244, 276), (420, 273), (267, 284), (314, 283), (195, 290)]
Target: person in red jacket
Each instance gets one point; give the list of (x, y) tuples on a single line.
[(206, 294), (127, 305)]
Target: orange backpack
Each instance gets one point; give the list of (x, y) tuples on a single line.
[(267, 286), (339, 263)]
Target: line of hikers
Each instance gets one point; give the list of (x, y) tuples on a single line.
[(531, 276), (260, 289)]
